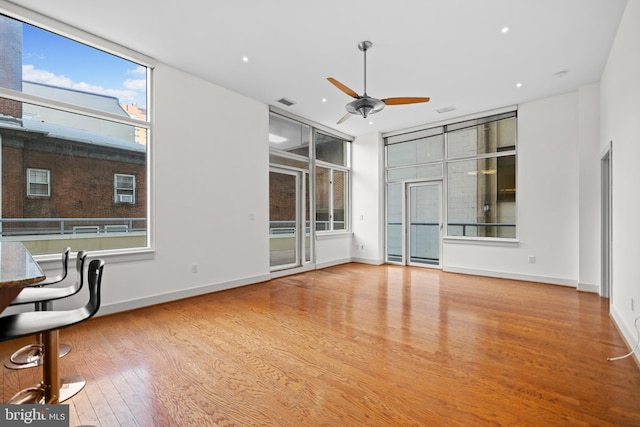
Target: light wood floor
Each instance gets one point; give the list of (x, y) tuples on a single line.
[(354, 345)]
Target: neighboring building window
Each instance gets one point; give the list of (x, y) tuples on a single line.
[(82, 113), (332, 182), (38, 182), (124, 188)]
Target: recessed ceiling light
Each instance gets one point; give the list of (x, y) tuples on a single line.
[(504, 30), (446, 109), (371, 123), (276, 138), (324, 99), (245, 59), (518, 84)]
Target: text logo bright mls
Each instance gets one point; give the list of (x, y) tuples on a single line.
[(34, 415)]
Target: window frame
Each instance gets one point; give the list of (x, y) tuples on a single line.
[(117, 189), (29, 182), (314, 129), (332, 168), (451, 160), (402, 136), (64, 30)]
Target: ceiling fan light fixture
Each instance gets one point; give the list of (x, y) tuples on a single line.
[(365, 106)]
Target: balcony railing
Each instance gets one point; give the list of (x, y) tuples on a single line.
[(69, 226)]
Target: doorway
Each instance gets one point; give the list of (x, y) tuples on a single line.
[(414, 224), (424, 219), (289, 225), (606, 223)]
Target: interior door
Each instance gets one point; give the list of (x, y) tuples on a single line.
[(423, 224)]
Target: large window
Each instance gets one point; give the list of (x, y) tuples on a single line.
[(308, 188), (476, 162), (332, 182), (77, 115), (481, 184)]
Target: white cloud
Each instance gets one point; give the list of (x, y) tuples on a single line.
[(129, 94), (139, 85), (140, 70)]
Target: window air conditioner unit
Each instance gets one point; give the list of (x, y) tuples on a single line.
[(125, 198)]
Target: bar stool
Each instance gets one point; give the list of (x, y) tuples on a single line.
[(43, 296), (41, 322)]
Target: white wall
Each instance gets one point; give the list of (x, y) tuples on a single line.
[(547, 194), (210, 158), (589, 187), (620, 123), (368, 216)]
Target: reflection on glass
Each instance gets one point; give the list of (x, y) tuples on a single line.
[(289, 136), (417, 151), (486, 138), (331, 149)]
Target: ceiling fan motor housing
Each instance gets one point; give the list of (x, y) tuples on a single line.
[(364, 106)]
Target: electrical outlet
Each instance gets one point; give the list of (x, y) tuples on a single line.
[(361, 247), (532, 259), (633, 304), (194, 268)]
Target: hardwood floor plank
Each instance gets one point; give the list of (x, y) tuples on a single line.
[(355, 345)]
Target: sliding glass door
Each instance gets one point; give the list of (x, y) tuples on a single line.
[(424, 219), (289, 233), (414, 223)]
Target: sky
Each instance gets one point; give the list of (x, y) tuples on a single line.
[(54, 60)]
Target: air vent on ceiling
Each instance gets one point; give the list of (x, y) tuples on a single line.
[(286, 102), (446, 109)]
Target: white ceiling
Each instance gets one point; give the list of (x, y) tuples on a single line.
[(450, 50)]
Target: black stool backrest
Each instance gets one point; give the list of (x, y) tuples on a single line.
[(35, 322), (41, 296), (65, 269)]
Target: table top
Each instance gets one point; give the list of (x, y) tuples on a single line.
[(17, 266)]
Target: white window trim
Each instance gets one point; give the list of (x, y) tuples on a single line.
[(48, 175), (117, 197), (60, 28)]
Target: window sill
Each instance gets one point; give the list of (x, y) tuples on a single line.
[(110, 256), (484, 241), (326, 235)]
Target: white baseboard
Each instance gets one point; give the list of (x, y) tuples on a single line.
[(371, 261), (628, 335), (589, 287), (514, 276), (331, 263), (177, 295)]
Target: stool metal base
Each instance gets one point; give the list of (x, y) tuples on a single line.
[(69, 387), (30, 356)]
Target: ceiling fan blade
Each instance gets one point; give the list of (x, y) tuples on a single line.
[(343, 88), (344, 118), (400, 101)]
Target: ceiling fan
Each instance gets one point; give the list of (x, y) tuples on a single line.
[(365, 104)]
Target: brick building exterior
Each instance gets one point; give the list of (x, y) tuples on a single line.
[(81, 156)]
